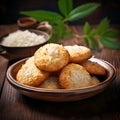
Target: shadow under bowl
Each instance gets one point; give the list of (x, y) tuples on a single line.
[(61, 95)]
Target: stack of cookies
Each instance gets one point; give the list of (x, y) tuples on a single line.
[(54, 66)]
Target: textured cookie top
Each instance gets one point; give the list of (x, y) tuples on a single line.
[(74, 76), (51, 57), (94, 68), (51, 83), (29, 74), (78, 53)]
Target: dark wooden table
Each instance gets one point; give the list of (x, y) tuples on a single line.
[(104, 106)]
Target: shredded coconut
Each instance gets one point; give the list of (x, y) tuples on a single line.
[(52, 50), (22, 39)]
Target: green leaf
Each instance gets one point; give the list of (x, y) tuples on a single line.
[(65, 6), (93, 32), (103, 26), (94, 43), (41, 15), (60, 29), (86, 28), (82, 11), (110, 42), (111, 33), (53, 40), (91, 42), (87, 42)]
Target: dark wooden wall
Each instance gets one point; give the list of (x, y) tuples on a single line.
[(9, 9)]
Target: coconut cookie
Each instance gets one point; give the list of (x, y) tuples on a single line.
[(51, 57), (30, 75), (95, 80), (78, 54), (94, 68), (74, 76), (51, 82)]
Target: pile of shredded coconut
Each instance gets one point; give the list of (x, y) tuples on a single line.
[(22, 39)]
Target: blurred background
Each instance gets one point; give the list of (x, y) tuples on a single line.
[(10, 10)]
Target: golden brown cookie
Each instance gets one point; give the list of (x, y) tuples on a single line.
[(78, 54), (94, 68), (95, 80), (51, 57), (51, 83), (30, 75), (74, 76)]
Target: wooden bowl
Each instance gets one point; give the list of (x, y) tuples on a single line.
[(25, 51), (61, 94)]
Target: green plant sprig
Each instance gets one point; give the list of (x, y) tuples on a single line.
[(69, 14), (102, 35)]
